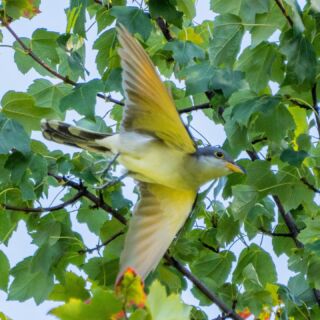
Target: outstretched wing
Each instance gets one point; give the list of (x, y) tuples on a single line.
[(157, 218), (149, 106)]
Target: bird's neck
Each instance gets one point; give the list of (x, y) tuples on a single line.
[(203, 169)]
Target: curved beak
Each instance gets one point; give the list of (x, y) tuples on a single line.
[(235, 167)]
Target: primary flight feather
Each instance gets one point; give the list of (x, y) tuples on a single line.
[(155, 147)]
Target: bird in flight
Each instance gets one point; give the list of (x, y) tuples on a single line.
[(158, 152)]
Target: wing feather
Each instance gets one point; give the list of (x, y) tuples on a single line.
[(149, 106), (157, 218)]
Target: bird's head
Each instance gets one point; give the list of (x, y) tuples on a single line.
[(219, 160)]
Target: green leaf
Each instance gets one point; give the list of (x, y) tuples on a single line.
[(312, 272), (47, 95), (12, 136), (300, 290), (245, 198), (21, 8), (266, 24), (78, 18), (228, 228), (7, 225), (302, 62), (103, 305), (263, 104), (282, 244), (261, 262), (1, 36), (93, 218), (259, 175), (254, 300), (226, 39), (215, 266), (166, 9), (274, 125), (257, 63), (134, 19), (103, 272), (291, 191), (204, 77), (311, 233), (106, 46), (295, 158), (184, 51), (4, 267), (28, 284), (104, 18), (21, 107), (246, 9), (44, 45), (73, 286), (259, 217), (187, 7), (113, 80), (163, 307), (83, 98)]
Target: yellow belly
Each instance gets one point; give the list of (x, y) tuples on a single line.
[(149, 159)]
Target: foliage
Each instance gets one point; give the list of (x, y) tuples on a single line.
[(266, 97)]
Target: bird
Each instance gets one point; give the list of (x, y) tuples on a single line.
[(157, 150)]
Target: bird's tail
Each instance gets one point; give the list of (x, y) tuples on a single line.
[(64, 133)]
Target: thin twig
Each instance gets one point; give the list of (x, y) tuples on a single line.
[(195, 108), (276, 234), (284, 12), (309, 185), (103, 244), (98, 201), (47, 209)]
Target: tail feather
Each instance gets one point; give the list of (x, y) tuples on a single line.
[(64, 133)]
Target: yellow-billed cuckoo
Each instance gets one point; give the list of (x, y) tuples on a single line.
[(156, 149)]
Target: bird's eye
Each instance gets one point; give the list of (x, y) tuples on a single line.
[(219, 154)]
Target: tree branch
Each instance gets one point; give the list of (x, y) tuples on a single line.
[(315, 106), (276, 234), (287, 217), (98, 201), (309, 185), (284, 12), (209, 294), (47, 209), (164, 27), (65, 79), (103, 244), (289, 221), (195, 108), (298, 103)]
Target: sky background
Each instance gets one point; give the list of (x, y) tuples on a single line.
[(53, 18)]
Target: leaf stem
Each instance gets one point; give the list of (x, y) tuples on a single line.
[(103, 244)]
